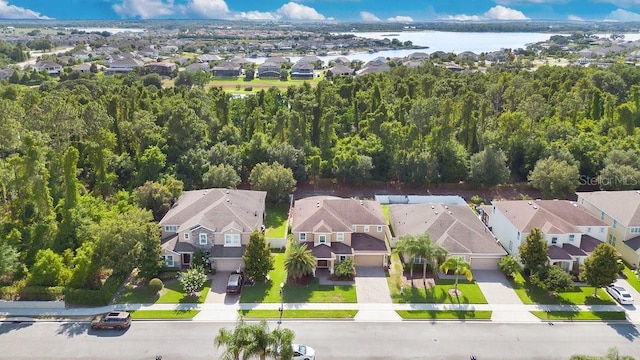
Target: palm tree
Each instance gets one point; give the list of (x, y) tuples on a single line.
[(459, 267), (283, 338), (262, 342), (298, 260), (408, 245), (432, 254), (235, 342)]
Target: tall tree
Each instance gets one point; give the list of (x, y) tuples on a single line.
[(601, 267), (555, 178), (533, 251), (459, 267), (257, 257), (488, 168), (409, 246), (298, 260), (234, 342), (275, 179)]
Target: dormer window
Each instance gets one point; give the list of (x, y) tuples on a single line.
[(186, 236), (171, 228), (303, 236), (340, 237), (366, 228), (572, 237), (322, 239), (202, 239), (379, 228)]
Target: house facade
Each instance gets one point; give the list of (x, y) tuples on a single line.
[(227, 69), (570, 231), (621, 211), (453, 226), (269, 70), (49, 66), (123, 66), (217, 221), (335, 228), (161, 68)]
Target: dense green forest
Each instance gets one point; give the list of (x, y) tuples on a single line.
[(87, 164)]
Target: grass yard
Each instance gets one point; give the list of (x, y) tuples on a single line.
[(471, 293), (163, 314), (579, 295), (632, 278), (445, 314), (385, 212), (580, 315), (269, 292), (276, 221), (171, 294), (298, 314)]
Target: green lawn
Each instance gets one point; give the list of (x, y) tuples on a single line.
[(445, 314), (276, 220), (163, 314), (632, 278), (299, 314), (385, 211), (471, 293), (580, 315), (269, 292), (171, 294), (578, 295)]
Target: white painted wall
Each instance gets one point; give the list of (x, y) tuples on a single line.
[(505, 231)]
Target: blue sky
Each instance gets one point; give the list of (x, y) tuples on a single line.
[(313, 10)]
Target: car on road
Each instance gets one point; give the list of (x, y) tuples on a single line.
[(234, 284), (117, 320), (620, 294), (303, 352)]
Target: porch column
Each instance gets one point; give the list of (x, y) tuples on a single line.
[(331, 266)]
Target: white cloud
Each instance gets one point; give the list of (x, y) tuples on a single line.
[(400, 19), (144, 9), (535, 2), (295, 11), (211, 9), (623, 16), (15, 12), (367, 16), (497, 12), (622, 3), (256, 15), (574, 18)]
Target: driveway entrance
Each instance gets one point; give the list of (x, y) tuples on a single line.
[(371, 285), (495, 287)]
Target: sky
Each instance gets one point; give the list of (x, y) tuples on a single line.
[(405, 11)]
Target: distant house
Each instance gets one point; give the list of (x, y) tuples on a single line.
[(83, 68), (197, 66), (372, 69), (342, 61), (161, 68), (418, 56), (571, 232), (6, 73), (302, 70), (340, 70), (123, 66), (208, 58), (82, 55), (469, 55), (218, 221), (454, 227), (621, 211), (227, 69), (269, 70), (49, 66), (335, 229)]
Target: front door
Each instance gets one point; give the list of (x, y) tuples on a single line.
[(323, 264), (186, 259)]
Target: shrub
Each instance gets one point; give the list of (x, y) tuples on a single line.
[(41, 293), (508, 265), (248, 88), (155, 285), (345, 269), (193, 280), (100, 297)]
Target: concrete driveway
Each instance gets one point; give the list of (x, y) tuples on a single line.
[(371, 285), (495, 287), (218, 292)]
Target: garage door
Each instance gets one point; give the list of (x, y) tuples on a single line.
[(368, 260), (484, 263), (227, 264)]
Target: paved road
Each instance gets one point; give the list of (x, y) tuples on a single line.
[(36, 54), (332, 340)]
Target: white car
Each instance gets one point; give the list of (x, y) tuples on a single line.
[(302, 352), (620, 294)]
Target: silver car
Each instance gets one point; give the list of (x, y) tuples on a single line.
[(620, 294)]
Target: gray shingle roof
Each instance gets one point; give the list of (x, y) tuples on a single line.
[(556, 253), (220, 251), (361, 242), (588, 243), (624, 206), (335, 214)]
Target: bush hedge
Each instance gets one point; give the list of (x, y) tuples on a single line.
[(100, 297), (32, 293)]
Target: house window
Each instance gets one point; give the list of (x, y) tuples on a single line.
[(303, 236), (322, 239), (571, 237), (171, 228), (612, 240), (232, 240), (366, 228), (601, 230), (354, 228), (615, 224), (379, 228), (418, 260), (518, 238), (342, 258), (588, 229), (340, 237), (601, 215), (202, 239), (635, 230), (186, 236), (168, 260), (554, 240), (510, 245)]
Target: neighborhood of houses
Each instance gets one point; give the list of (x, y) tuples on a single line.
[(220, 222)]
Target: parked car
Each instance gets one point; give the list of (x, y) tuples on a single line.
[(620, 294), (117, 320), (234, 285), (303, 352)]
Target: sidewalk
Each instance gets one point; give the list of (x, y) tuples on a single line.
[(370, 312)]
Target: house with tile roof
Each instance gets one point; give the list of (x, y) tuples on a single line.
[(50, 67), (123, 66), (335, 229), (453, 226), (571, 232), (217, 221), (621, 211)]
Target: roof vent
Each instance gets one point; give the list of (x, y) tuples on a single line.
[(436, 212), (575, 205), (446, 207), (227, 191), (450, 213), (361, 202), (433, 207), (535, 207), (529, 202), (228, 200)]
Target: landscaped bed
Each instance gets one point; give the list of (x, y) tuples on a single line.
[(269, 292), (580, 315), (446, 314), (579, 295), (299, 314), (163, 314)]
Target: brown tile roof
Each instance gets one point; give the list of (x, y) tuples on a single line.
[(573, 250), (624, 206), (361, 242), (454, 227), (321, 251), (550, 216), (333, 214), (216, 209), (556, 253), (588, 243)]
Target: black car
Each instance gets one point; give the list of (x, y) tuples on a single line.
[(234, 285)]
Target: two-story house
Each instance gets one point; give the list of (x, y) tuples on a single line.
[(123, 66), (49, 66), (570, 231), (335, 228), (219, 221), (621, 211)]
